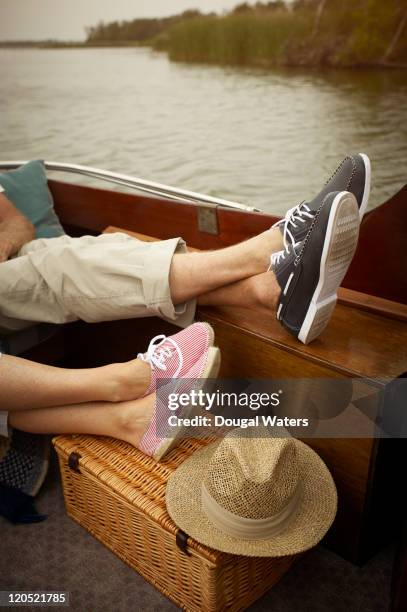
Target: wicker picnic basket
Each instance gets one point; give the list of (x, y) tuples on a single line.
[(118, 494)]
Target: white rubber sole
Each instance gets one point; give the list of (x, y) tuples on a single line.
[(210, 371), (339, 247), (366, 193)]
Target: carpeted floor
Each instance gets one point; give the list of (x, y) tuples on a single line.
[(60, 555)]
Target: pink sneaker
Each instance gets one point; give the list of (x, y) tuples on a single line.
[(156, 445), (173, 356)]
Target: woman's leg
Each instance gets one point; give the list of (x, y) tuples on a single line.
[(25, 385), (126, 420)]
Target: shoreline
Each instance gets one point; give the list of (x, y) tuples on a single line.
[(45, 45)]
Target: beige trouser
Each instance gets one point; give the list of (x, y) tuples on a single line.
[(112, 276)]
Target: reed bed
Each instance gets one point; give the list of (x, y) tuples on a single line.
[(236, 39), (364, 32)]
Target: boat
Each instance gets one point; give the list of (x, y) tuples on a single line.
[(366, 338)]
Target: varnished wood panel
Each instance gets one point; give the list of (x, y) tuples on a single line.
[(94, 209), (355, 343), (372, 303), (380, 263)]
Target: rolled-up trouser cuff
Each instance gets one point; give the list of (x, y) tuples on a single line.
[(156, 286), (93, 278)]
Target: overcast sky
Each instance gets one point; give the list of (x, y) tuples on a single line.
[(66, 19)]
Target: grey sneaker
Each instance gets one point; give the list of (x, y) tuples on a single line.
[(310, 272), (353, 175)]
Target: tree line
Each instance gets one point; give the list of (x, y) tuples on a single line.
[(303, 32), (136, 30)]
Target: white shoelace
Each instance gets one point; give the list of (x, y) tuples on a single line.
[(157, 354), (299, 213), (275, 258)]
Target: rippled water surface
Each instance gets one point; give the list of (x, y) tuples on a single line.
[(268, 139)]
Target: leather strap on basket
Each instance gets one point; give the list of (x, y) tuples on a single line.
[(181, 540), (73, 462)]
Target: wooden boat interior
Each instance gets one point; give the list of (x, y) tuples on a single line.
[(366, 338)]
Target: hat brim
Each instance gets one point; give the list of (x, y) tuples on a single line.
[(312, 519)]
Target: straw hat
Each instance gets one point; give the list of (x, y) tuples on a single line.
[(253, 496)]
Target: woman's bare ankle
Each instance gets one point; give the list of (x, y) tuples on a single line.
[(127, 381), (134, 418)]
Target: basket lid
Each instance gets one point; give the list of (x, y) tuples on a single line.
[(135, 477)]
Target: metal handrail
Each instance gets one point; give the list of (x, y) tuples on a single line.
[(135, 183)]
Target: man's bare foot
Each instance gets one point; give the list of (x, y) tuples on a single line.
[(275, 238), (264, 245), (261, 291)]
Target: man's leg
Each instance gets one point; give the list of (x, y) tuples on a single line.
[(260, 292), (194, 274), (114, 276)]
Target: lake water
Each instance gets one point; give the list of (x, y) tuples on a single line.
[(268, 139)]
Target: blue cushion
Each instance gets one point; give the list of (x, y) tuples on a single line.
[(27, 189)]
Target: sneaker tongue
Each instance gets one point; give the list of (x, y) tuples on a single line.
[(155, 352), (294, 220), (306, 209)]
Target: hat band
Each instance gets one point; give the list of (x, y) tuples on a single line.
[(246, 528)]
